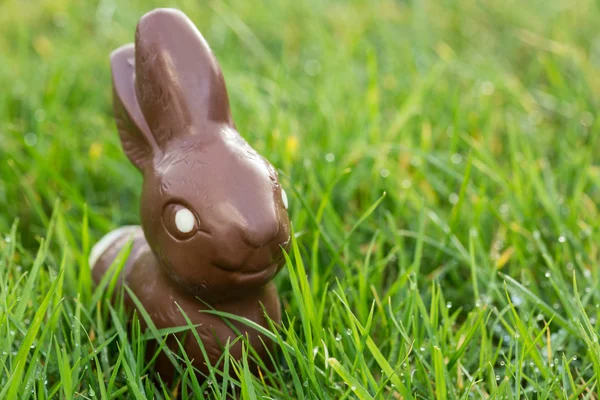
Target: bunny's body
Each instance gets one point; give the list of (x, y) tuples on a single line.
[(214, 217), (162, 300)]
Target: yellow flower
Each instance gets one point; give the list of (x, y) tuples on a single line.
[(42, 46), (96, 150), (291, 146)]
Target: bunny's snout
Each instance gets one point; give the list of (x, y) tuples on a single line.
[(261, 251), (260, 263), (261, 235)]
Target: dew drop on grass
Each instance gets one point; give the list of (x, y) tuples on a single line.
[(487, 88), (517, 335), (562, 239), (456, 158), (329, 157), (338, 337), (30, 139), (537, 234), (449, 304), (305, 384), (353, 388), (516, 300), (384, 173), (348, 331), (92, 393), (547, 274), (497, 377), (406, 184), (7, 239), (502, 363), (530, 247), (569, 267), (540, 317), (312, 67), (574, 358), (453, 198), (422, 348)]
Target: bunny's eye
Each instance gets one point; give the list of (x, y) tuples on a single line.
[(284, 198), (184, 220), (180, 221)]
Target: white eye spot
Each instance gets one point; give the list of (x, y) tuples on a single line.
[(184, 220), (284, 198)]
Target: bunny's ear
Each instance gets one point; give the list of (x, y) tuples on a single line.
[(137, 140), (179, 83)]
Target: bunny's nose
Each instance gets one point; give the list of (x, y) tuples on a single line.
[(261, 234)]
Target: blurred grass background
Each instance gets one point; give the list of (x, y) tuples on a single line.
[(477, 119)]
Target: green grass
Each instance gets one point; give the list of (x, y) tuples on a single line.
[(441, 160)]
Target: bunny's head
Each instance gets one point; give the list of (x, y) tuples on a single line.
[(212, 209)]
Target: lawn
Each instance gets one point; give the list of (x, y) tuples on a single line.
[(441, 164)]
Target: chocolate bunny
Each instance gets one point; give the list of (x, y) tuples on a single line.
[(213, 215)]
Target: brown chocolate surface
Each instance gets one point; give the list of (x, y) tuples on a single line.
[(213, 215)]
